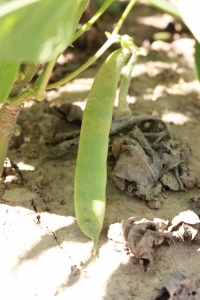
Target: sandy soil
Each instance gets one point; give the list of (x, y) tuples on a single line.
[(43, 254)]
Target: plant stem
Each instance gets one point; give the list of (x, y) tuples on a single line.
[(105, 46), (92, 20), (16, 96), (39, 86), (26, 95), (11, 109), (27, 71), (124, 16), (112, 39), (8, 117)]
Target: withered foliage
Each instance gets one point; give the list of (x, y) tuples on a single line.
[(148, 158), (142, 236)]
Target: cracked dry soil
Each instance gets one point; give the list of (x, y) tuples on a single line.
[(43, 254)]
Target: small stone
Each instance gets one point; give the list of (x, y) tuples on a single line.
[(189, 181), (154, 204)]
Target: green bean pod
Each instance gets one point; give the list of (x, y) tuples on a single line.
[(124, 86), (91, 167)]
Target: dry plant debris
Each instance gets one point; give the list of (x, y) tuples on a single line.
[(61, 148), (177, 287), (185, 226), (68, 111), (149, 159), (141, 236)]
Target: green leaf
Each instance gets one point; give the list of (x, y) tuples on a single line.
[(8, 74), (165, 6), (37, 30), (189, 11), (81, 5), (197, 59)]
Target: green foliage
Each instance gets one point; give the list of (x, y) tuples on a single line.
[(189, 11), (185, 10), (8, 74), (197, 59), (37, 30), (165, 6)]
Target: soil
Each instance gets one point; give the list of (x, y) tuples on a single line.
[(43, 254)]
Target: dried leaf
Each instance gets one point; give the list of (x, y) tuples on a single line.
[(141, 236), (185, 225), (187, 216), (160, 224), (177, 287), (132, 165), (169, 161), (126, 226), (143, 168), (129, 121), (155, 193), (63, 136), (169, 179), (61, 149), (67, 111)]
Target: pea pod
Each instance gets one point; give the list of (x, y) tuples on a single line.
[(91, 170), (123, 90)]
